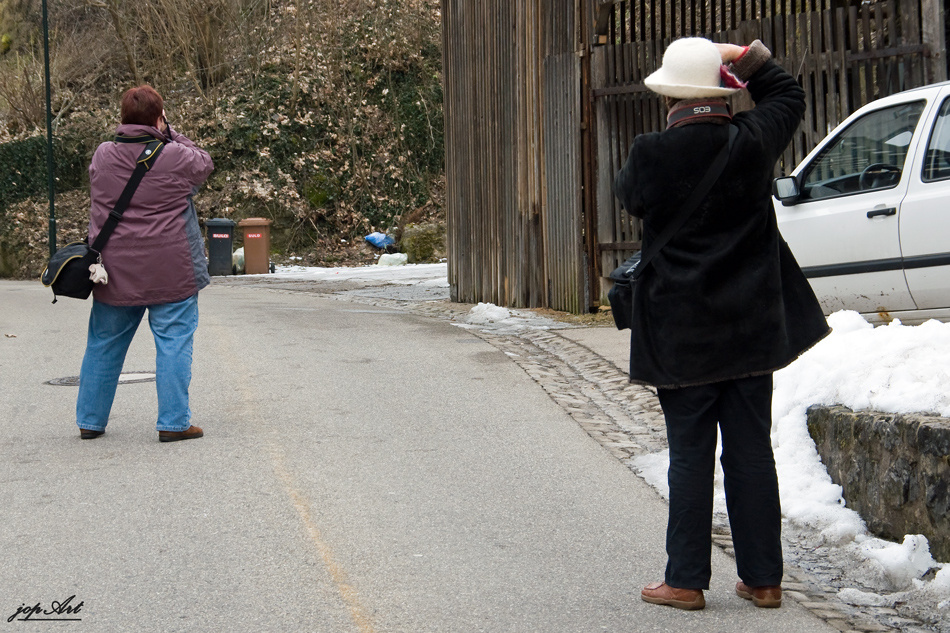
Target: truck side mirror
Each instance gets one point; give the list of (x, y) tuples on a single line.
[(786, 189)]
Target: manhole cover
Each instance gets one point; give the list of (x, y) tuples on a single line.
[(124, 379)]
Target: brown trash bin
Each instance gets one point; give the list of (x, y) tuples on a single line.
[(256, 245)]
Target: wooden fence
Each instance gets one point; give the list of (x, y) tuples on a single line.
[(543, 99), (513, 153)]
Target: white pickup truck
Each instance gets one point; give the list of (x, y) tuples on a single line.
[(867, 212)]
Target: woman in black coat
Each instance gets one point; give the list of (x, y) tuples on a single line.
[(722, 305)]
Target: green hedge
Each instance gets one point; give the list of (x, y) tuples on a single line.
[(23, 167)]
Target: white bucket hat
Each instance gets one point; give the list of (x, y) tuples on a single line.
[(690, 70)]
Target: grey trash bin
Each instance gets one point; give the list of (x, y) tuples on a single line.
[(220, 233)]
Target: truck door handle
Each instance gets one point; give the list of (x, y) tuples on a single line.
[(887, 211)]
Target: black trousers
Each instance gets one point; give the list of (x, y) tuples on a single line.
[(742, 409)]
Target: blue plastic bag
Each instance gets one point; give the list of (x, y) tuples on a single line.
[(380, 240)]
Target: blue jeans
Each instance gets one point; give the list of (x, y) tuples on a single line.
[(111, 329)]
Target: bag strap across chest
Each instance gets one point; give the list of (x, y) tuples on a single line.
[(686, 209), (153, 147)]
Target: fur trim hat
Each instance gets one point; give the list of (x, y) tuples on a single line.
[(692, 69)]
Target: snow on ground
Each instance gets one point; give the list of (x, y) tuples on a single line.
[(483, 316), (435, 275), (892, 368)]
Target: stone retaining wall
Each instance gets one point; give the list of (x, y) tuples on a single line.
[(894, 470)]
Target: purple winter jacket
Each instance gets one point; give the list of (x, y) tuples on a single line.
[(156, 253)]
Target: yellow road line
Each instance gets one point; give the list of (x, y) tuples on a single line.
[(347, 591), (340, 578)]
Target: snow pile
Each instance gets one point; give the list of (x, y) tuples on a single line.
[(941, 586), (901, 563), (489, 317), (893, 368), (942, 579), (486, 313), (432, 275), (392, 259)]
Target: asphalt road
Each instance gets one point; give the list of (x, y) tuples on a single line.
[(362, 470)]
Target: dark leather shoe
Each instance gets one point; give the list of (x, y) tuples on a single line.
[(767, 597), (89, 434), (662, 593), (192, 432)]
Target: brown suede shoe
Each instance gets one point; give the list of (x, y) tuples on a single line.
[(192, 432), (769, 597), (662, 593), (89, 434)]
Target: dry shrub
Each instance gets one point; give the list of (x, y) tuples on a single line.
[(325, 116), (336, 130), (22, 93), (24, 241), (82, 61)]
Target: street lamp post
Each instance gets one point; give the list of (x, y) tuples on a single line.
[(50, 163)]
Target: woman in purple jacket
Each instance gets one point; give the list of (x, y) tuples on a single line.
[(154, 260)]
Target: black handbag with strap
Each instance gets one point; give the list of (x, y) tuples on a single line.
[(67, 272), (625, 275)]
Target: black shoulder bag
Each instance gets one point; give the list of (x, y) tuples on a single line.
[(68, 270), (625, 275)]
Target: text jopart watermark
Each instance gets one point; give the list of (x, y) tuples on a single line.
[(57, 611)]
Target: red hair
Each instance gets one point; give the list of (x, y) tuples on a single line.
[(142, 105)]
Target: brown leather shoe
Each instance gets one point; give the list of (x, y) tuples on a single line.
[(89, 434), (662, 593), (192, 432), (767, 597)]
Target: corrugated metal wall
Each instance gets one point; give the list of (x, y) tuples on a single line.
[(512, 109)]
